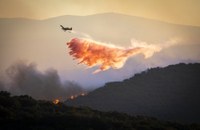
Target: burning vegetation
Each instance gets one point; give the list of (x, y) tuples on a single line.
[(56, 101), (77, 95)]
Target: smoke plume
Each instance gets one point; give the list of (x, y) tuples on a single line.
[(24, 78), (92, 53)]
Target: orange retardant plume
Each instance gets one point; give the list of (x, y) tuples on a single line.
[(93, 53)]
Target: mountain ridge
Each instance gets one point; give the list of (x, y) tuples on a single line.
[(98, 14), (170, 93)]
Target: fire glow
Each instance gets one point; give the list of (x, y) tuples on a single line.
[(92, 53), (56, 101), (75, 96)]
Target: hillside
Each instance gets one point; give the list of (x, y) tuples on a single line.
[(24, 112), (170, 93)]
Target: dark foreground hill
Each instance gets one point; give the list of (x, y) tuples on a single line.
[(170, 93), (25, 113)]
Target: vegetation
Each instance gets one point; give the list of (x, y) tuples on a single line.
[(24, 112), (171, 93)]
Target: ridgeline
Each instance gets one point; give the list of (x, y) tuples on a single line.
[(171, 93)]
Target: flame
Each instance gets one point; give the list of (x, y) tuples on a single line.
[(56, 101), (93, 53), (72, 97), (83, 94), (78, 95)]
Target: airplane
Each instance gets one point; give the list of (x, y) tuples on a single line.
[(65, 28)]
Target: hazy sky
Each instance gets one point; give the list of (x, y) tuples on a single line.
[(175, 11)]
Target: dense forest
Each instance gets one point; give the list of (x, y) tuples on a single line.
[(171, 93), (25, 113)]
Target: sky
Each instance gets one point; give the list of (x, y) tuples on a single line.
[(173, 11)]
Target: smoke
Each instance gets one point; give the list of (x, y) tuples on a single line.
[(92, 53), (25, 78)]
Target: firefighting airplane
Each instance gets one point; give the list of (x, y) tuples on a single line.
[(65, 28)]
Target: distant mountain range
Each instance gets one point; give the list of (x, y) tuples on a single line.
[(43, 42), (170, 93)]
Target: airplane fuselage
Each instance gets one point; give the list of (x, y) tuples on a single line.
[(65, 28)]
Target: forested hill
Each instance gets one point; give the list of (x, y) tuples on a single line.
[(170, 93), (26, 113)]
